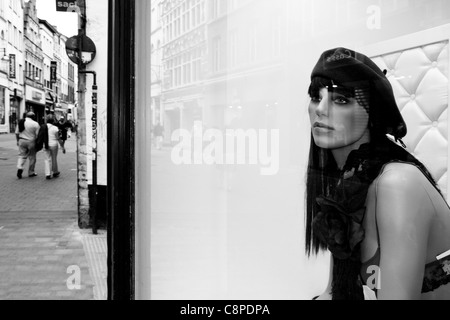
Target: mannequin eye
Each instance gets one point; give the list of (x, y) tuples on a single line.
[(341, 100)]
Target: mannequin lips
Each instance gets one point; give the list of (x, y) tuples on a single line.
[(319, 125)]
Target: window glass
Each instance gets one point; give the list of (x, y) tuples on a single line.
[(229, 134)]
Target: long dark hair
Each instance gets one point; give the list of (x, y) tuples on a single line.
[(322, 168)]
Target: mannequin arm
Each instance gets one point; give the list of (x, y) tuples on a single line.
[(403, 212)]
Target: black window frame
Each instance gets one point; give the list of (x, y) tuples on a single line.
[(120, 193)]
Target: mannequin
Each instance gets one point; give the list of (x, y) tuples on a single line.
[(371, 203)]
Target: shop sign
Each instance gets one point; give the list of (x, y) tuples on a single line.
[(36, 95), (53, 71), (66, 5), (12, 66)]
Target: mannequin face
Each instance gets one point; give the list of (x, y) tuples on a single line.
[(337, 120)]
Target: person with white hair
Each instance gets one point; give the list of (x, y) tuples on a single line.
[(26, 134), (51, 153)]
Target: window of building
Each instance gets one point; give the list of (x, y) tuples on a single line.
[(233, 47), (10, 33), (187, 22), (198, 15), (2, 8), (215, 10), (193, 17), (2, 106), (20, 41), (216, 58), (170, 79), (276, 36), (178, 71), (187, 68), (196, 64), (202, 12), (253, 42), (232, 5)]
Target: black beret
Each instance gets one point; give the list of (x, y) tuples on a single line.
[(352, 69)]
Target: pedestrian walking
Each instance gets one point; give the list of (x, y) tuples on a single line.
[(158, 131), (51, 153), (26, 133), (42, 137), (63, 127)]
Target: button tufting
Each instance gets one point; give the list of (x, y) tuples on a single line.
[(416, 83)]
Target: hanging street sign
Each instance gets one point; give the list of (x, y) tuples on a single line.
[(88, 50), (12, 66), (69, 6), (53, 71)]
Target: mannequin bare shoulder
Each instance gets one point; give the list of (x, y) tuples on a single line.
[(404, 212)]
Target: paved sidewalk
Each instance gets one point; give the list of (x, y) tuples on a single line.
[(43, 253)]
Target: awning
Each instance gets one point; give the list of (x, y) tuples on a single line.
[(34, 103)]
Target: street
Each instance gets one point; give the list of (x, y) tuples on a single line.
[(44, 255)]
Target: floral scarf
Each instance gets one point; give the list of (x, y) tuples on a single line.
[(339, 222)]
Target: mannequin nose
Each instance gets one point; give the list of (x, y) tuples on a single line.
[(322, 107)]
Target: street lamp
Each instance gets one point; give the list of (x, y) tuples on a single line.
[(5, 56)]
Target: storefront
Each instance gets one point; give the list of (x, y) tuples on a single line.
[(15, 101), (35, 101), (176, 233)]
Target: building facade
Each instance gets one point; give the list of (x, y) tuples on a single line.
[(11, 64), (57, 59), (28, 48), (34, 63), (156, 58), (47, 32), (72, 83), (60, 86), (62, 106), (184, 52), (244, 79)]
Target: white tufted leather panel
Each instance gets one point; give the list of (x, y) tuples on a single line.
[(420, 78)]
